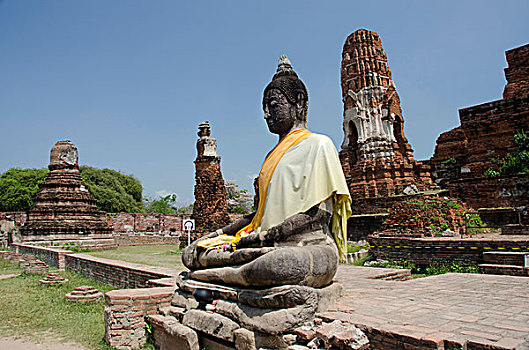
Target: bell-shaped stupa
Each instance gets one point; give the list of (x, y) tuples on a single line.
[(64, 211)]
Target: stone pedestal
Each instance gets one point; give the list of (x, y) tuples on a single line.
[(64, 211), (222, 317)]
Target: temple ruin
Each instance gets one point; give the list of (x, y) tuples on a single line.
[(485, 136), (64, 211), (210, 209), (376, 157)]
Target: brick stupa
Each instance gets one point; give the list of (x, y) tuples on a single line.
[(210, 209), (64, 211), (376, 157)]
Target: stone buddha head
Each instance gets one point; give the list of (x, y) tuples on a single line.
[(285, 100)]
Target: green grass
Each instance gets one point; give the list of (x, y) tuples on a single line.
[(153, 255), (33, 311), (6, 268), (352, 248)]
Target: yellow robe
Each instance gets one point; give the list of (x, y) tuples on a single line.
[(302, 171)]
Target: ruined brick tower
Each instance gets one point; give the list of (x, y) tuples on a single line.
[(376, 157), (64, 211), (210, 210), (484, 138)]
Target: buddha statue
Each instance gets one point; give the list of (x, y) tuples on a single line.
[(298, 233)]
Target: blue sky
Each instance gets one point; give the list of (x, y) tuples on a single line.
[(129, 81)]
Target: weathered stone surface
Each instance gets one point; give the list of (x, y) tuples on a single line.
[(210, 323), (169, 334), (210, 209), (343, 336), (297, 347), (64, 210), (305, 333), (271, 321), (244, 339), (184, 300), (275, 297), (376, 157)]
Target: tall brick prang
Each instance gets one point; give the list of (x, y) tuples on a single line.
[(64, 210), (376, 156), (210, 209)]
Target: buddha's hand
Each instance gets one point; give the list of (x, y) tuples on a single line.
[(250, 240)]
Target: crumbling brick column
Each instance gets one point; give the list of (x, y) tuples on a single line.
[(125, 312), (210, 210)]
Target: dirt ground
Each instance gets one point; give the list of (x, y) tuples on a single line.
[(21, 344)]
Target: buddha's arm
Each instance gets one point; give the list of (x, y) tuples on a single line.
[(301, 222), (235, 226), (191, 253)]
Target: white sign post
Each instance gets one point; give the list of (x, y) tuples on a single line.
[(188, 225)]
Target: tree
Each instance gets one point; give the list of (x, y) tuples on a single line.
[(238, 201), (163, 205), (19, 187), (113, 191)]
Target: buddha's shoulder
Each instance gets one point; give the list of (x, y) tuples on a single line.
[(319, 140)]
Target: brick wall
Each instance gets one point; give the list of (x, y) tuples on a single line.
[(119, 274), (52, 256), (360, 226), (489, 129), (131, 222), (124, 222), (517, 74), (125, 312), (427, 251), (506, 191), (498, 217)]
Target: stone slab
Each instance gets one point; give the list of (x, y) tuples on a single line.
[(169, 334), (213, 324)]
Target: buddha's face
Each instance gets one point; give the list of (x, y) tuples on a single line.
[(280, 114)]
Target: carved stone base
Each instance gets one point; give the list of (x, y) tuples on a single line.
[(233, 318)]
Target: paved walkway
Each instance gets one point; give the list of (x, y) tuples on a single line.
[(485, 309)]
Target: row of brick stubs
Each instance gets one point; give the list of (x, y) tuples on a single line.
[(29, 263), (125, 312)]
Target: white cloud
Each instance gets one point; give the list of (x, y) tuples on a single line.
[(165, 193)]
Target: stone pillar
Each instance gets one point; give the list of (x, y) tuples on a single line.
[(210, 210)]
